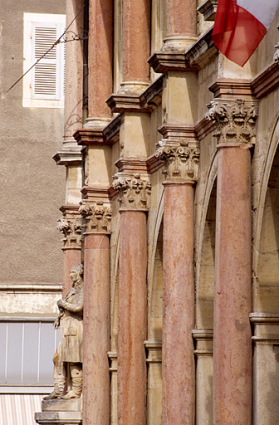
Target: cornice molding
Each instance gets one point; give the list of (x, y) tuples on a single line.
[(208, 9), (91, 136), (266, 81), (144, 102), (204, 127), (231, 88)]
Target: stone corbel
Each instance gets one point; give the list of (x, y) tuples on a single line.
[(181, 160), (97, 216), (71, 229), (134, 191), (235, 120)]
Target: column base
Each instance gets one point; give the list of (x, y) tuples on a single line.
[(133, 87), (178, 43)]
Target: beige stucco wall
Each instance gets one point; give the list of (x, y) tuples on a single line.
[(32, 186)]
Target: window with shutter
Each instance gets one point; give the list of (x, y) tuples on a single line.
[(43, 86)]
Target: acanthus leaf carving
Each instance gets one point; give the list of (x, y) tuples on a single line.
[(134, 191), (181, 160), (235, 120), (71, 229), (97, 216)]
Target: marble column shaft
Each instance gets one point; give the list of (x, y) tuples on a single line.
[(96, 381), (181, 17), (132, 322), (232, 346), (73, 66), (136, 40), (232, 349), (100, 63), (178, 304)]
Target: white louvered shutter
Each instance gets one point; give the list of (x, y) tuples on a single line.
[(48, 73)]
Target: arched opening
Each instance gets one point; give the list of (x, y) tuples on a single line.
[(205, 284)]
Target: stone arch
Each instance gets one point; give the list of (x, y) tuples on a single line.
[(155, 276), (206, 252), (266, 232)]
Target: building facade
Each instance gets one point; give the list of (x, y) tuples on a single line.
[(178, 203), (31, 191)]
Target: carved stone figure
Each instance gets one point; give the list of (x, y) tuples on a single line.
[(68, 357)]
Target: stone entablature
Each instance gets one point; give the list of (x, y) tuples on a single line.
[(181, 160), (97, 216), (235, 120), (134, 191)]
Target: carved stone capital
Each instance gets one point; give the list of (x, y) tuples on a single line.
[(235, 120), (97, 216), (181, 160), (71, 229), (134, 191)]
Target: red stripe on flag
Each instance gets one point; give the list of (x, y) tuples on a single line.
[(236, 32)]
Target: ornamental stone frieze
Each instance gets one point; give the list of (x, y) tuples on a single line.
[(134, 191), (235, 120), (181, 160), (97, 216), (71, 229)]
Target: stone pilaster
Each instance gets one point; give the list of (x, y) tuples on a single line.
[(96, 382), (70, 227), (181, 158), (232, 349), (134, 194)]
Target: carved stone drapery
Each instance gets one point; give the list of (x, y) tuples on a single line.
[(134, 191), (71, 229), (97, 215), (235, 120), (181, 160)]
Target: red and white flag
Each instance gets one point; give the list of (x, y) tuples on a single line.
[(240, 25)]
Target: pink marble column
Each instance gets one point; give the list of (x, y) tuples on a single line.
[(181, 17), (100, 64), (73, 66), (132, 321), (96, 384), (232, 349), (136, 40), (232, 345), (178, 304)]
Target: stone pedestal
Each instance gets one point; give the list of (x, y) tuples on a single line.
[(60, 412)]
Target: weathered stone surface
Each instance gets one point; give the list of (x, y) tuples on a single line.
[(72, 405), (59, 418)]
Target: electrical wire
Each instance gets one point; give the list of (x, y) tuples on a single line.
[(54, 44)]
